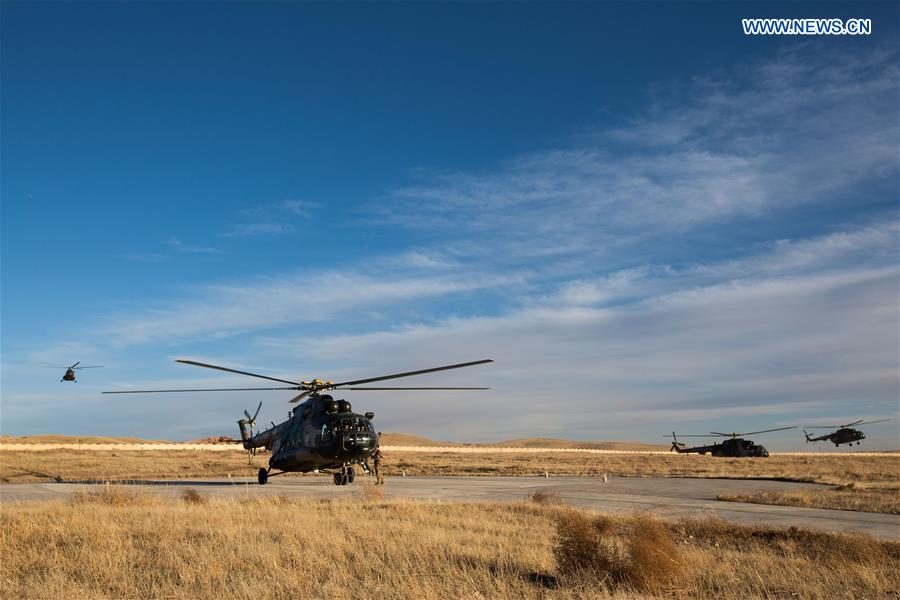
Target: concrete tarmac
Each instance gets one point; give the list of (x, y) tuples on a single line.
[(676, 497)]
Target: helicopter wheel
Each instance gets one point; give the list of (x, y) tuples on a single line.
[(262, 476), (351, 475)]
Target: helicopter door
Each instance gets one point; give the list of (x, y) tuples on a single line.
[(308, 435)]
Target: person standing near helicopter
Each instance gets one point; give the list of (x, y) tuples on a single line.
[(376, 461)]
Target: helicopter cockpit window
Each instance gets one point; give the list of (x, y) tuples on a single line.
[(326, 432)]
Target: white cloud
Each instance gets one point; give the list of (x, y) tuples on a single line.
[(750, 143), (229, 309), (767, 337)]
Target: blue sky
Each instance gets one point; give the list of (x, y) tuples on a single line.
[(649, 220)]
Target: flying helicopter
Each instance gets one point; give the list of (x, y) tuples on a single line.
[(735, 446), (70, 371), (321, 434), (845, 434)]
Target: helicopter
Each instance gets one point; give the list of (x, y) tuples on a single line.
[(845, 434), (70, 371), (322, 434), (735, 446)]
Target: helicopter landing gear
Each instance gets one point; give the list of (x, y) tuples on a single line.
[(262, 476), (347, 475)]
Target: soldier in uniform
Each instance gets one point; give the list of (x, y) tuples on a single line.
[(376, 460)]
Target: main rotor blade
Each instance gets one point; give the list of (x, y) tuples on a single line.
[(49, 366), (719, 433), (378, 389), (869, 422), (768, 430), (75, 365), (203, 390), (411, 373), (300, 396), (701, 435), (88, 367), (218, 368)]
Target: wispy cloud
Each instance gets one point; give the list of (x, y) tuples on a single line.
[(146, 257), (252, 229), (272, 219), (742, 145), (225, 310), (180, 246)]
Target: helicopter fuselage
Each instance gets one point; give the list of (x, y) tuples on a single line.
[(69, 376), (321, 433), (735, 448), (844, 435)]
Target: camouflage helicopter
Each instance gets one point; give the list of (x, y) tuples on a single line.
[(735, 446), (321, 434), (70, 371), (845, 434)]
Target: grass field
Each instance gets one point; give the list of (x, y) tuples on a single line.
[(885, 499), (867, 482), (387, 439), (116, 543)]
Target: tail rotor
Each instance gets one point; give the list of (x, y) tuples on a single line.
[(676, 445), (246, 427)]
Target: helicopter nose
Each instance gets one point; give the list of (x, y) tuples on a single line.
[(359, 441)]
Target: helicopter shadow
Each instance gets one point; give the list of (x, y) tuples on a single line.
[(544, 580), (9, 478), (160, 482)]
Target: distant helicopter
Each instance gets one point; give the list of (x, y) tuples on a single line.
[(845, 434), (735, 447), (321, 434), (70, 371)]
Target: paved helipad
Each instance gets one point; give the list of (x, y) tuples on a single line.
[(664, 496)]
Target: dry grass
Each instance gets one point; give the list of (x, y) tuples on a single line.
[(74, 465), (870, 482), (369, 492), (845, 497), (636, 551), (147, 547), (547, 497), (387, 439), (863, 471), (110, 495), (829, 469), (73, 439), (192, 496)]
